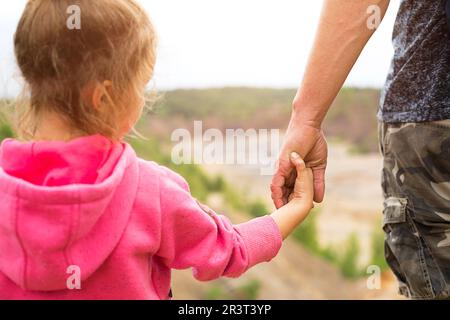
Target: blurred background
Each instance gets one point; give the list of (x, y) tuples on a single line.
[(237, 64)]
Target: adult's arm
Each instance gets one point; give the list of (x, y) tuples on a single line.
[(342, 34)]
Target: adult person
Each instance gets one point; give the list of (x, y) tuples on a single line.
[(414, 132)]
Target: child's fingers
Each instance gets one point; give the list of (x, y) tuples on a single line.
[(303, 181), (298, 162)]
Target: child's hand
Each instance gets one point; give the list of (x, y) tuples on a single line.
[(300, 202), (303, 190)]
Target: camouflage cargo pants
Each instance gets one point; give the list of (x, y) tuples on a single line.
[(416, 215)]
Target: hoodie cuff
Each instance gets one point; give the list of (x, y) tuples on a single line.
[(262, 238)]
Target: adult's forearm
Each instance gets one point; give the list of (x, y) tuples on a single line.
[(341, 36)]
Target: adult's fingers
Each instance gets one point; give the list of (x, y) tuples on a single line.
[(290, 182), (276, 188), (277, 192), (319, 184), (283, 172)]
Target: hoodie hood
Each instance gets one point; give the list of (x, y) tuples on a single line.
[(86, 160), (62, 204)]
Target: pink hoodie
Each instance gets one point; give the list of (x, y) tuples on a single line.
[(124, 222)]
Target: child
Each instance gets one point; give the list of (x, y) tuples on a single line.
[(81, 216)]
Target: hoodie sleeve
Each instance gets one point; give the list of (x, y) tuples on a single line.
[(195, 236)]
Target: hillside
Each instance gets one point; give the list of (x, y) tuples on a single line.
[(352, 117)]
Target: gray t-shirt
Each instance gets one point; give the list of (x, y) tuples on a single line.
[(418, 85)]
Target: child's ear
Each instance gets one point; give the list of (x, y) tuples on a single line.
[(100, 94)]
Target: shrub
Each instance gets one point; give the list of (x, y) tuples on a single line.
[(5, 131), (257, 209), (307, 234), (248, 291), (349, 261), (215, 293)]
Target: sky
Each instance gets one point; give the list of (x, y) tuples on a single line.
[(216, 43)]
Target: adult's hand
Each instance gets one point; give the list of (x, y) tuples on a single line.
[(309, 141), (342, 33)]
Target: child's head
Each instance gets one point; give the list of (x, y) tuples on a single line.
[(92, 77)]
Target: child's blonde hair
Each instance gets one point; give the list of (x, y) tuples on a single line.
[(116, 43)]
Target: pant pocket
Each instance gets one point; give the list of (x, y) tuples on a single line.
[(404, 250)]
